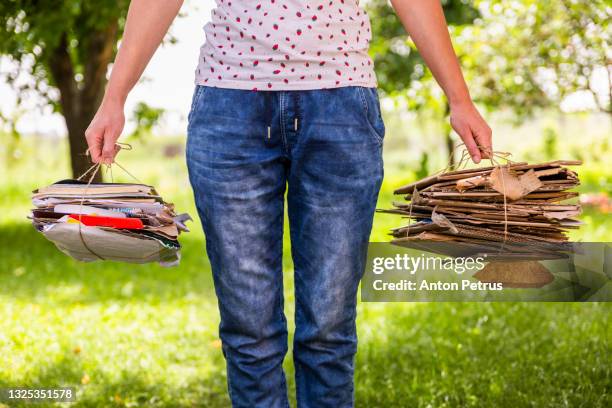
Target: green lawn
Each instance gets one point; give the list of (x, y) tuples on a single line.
[(128, 335)]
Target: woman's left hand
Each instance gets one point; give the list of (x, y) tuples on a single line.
[(473, 130)]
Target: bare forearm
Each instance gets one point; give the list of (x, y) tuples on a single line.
[(147, 23), (424, 21)]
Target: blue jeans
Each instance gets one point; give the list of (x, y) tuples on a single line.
[(323, 148)]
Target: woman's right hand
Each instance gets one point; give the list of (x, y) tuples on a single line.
[(146, 24), (103, 132)]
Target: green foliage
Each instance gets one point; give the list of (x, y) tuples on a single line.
[(529, 54), (61, 50), (146, 117), (423, 170), (550, 143), (398, 63), (31, 32), (524, 55)]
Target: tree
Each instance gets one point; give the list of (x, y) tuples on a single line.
[(66, 46), (527, 55)]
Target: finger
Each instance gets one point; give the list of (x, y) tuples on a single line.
[(483, 138), (109, 150), (94, 142), (470, 144)]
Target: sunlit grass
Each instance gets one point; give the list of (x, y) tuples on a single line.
[(128, 335)]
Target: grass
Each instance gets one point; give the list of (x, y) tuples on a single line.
[(136, 335)]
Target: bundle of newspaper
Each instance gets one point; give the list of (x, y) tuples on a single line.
[(109, 221), (516, 203)]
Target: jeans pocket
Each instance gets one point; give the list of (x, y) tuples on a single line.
[(372, 112), (195, 99)]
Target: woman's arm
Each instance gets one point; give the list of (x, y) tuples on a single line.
[(147, 23), (424, 21)]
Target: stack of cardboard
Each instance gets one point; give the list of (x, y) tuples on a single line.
[(109, 221), (516, 203)]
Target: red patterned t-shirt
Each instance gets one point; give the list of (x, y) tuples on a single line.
[(286, 45)]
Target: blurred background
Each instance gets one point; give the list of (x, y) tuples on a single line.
[(125, 335)]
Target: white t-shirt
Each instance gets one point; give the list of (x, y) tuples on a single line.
[(286, 45)]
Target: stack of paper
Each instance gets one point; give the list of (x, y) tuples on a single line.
[(515, 203), (109, 221)]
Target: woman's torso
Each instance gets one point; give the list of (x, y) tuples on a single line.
[(286, 45)]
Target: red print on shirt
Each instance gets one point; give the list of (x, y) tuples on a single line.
[(273, 44)]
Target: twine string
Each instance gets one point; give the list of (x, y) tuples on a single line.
[(93, 174), (127, 172), (93, 170), (89, 169), (461, 164), (495, 163)]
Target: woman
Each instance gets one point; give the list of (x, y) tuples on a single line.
[(286, 101)]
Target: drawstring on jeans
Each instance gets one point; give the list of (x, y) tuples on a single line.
[(268, 114)]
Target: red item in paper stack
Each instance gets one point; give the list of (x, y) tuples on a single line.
[(112, 222)]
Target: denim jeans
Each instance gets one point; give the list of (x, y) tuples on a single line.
[(323, 148)]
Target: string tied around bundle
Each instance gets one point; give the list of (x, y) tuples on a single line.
[(92, 171), (462, 164)]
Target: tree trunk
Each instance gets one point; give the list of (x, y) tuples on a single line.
[(80, 100), (79, 160)]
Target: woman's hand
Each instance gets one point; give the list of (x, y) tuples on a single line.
[(103, 132), (473, 130)]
